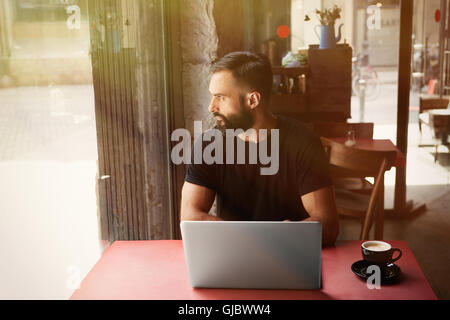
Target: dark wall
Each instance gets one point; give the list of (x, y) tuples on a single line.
[(230, 25), (268, 16), (251, 25)]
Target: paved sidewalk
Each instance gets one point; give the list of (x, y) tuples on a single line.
[(33, 120)]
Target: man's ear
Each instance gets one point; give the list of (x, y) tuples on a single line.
[(254, 99)]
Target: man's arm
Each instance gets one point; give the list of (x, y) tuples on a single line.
[(196, 201), (321, 206)]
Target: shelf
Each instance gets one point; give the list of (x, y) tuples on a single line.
[(291, 72)]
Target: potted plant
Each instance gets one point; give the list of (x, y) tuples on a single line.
[(327, 19)]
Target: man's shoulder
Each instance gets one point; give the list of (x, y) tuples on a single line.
[(209, 134)]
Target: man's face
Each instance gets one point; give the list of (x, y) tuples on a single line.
[(228, 103)]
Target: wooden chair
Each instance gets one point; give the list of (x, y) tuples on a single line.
[(361, 163), (340, 129), (427, 103)]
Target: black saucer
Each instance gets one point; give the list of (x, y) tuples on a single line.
[(389, 273)]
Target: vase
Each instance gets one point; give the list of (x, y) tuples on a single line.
[(327, 37)]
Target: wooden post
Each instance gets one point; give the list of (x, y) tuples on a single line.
[(174, 98), (404, 78)]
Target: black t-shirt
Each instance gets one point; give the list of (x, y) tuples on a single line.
[(243, 194)]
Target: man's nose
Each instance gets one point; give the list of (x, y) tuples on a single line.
[(213, 106)]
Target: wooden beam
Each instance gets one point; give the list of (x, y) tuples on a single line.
[(404, 80), (175, 106)]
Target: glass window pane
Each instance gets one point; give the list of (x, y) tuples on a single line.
[(48, 149)]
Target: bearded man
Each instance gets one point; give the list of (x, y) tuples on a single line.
[(300, 190)]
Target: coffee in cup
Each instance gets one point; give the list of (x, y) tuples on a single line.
[(376, 246), (379, 252)]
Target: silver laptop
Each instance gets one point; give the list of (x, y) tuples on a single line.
[(253, 255)]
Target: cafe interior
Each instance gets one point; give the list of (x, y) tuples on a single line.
[(91, 91)]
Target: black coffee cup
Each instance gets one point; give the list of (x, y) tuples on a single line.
[(379, 252)]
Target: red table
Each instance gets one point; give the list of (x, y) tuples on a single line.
[(157, 270), (377, 145)]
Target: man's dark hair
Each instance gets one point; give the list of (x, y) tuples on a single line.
[(250, 69)]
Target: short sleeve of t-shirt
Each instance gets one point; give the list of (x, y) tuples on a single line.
[(201, 174), (312, 167)]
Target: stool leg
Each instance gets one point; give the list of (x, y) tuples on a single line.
[(420, 130), (436, 153)]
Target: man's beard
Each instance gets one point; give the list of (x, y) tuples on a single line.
[(242, 120)]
